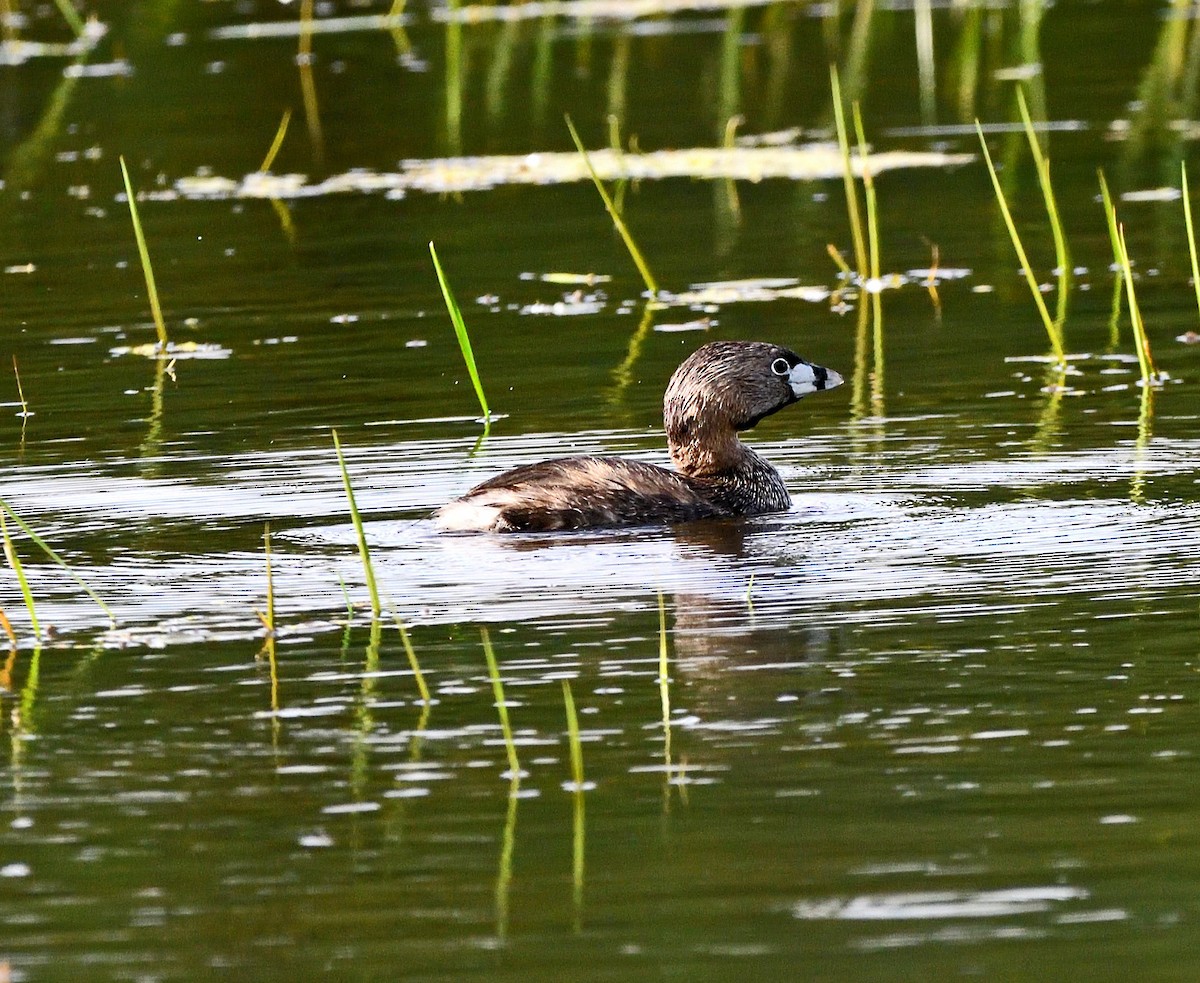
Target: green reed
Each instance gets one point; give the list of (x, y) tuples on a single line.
[(14, 562), (855, 216), (1061, 253), (514, 766), (1191, 232), (20, 390), (53, 556), (277, 143), (413, 663), (1116, 233), (614, 213), (464, 339), (144, 253), (268, 619), (363, 552), (1052, 330), (71, 16)]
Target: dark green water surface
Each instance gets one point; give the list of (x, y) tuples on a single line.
[(939, 721)]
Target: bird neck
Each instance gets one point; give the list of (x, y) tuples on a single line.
[(705, 449)]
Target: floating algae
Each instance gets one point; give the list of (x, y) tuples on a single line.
[(448, 175)]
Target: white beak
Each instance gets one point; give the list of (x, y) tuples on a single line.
[(806, 378)]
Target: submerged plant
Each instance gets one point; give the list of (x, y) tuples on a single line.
[(622, 229), (464, 340), (144, 254)]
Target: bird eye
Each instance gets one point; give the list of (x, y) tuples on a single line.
[(781, 367)]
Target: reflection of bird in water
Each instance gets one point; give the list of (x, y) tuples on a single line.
[(722, 388)]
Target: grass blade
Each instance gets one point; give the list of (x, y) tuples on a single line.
[(1052, 330), (14, 561), (1061, 253), (856, 226), (368, 570), (464, 340), (41, 544), (276, 143), (626, 236), (1191, 232), (144, 253), (1116, 233)]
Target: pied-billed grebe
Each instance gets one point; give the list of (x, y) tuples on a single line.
[(720, 389)]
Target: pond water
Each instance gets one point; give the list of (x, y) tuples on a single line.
[(937, 721)]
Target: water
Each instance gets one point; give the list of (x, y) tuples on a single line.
[(938, 721)]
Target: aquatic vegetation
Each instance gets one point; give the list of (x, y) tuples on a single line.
[(277, 143), (514, 765), (268, 617), (356, 519), (1061, 253), (618, 221), (18, 570), (144, 254), (6, 509), (1116, 233), (1191, 232), (852, 206), (464, 339), (1052, 330)]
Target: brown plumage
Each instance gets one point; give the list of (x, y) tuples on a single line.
[(720, 389)]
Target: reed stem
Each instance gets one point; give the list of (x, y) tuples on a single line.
[(356, 519), (856, 226), (1056, 342), (614, 213), (144, 254), (464, 340)]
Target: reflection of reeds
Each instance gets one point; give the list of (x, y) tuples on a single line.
[(1052, 330), (144, 255), (356, 519), (413, 664), (308, 86), (577, 852), (619, 223), (514, 766), (664, 685), (464, 339)]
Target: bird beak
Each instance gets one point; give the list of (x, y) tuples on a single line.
[(807, 378)]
